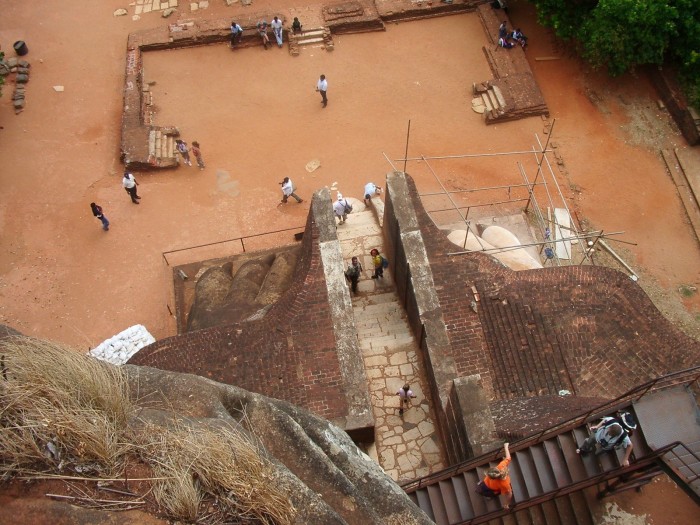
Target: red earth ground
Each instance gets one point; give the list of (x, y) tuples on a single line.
[(258, 119)]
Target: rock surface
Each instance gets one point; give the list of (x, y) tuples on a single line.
[(328, 479)]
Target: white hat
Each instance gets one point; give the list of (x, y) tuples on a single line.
[(340, 196)]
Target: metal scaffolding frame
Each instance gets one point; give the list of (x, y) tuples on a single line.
[(546, 225)]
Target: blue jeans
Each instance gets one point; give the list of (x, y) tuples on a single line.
[(105, 222)]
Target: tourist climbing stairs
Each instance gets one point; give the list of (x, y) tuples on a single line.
[(406, 444), (550, 479)]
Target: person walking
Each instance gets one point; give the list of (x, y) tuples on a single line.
[(371, 189), (497, 481), (288, 190), (197, 154), (181, 147), (353, 274), (322, 87), (262, 31), (341, 208), (236, 34), (276, 26), (405, 395), (378, 262), (129, 183), (97, 212)]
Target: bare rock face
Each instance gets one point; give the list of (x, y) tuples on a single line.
[(328, 479)]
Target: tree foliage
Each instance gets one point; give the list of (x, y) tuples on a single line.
[(622, 34)]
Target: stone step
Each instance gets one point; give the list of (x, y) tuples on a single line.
[(375, 334), (171, 147), (313, 32), (499, 96), (389, 297), (487, 101), (152, 143), (378, 310), (493, 99), (309, 41), (390, 342), (368, 314)]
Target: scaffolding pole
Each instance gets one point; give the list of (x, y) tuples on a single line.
[(467, 155), (464, 218)]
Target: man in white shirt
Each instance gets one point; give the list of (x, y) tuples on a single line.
[(371, 189), (129, 183), (322, 87), (340, 208), (288, 190), (611, 433), (276, 25), (236, 34)]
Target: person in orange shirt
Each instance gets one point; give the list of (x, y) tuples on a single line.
[(497, 481)]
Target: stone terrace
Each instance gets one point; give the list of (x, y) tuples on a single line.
[(147, 145)]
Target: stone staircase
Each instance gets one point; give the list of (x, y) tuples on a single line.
[(161, 147), (316, 37), (406, 446), (488, 100)]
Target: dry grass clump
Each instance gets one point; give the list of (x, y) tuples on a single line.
[(193, 465), (60, 409)]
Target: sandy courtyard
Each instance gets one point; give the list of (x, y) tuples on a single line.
[(258, 119)]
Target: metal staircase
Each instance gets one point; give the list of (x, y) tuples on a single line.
[(548, 476)]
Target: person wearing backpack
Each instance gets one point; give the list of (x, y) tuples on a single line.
[(353, 273), (341, 208), (611, 433), (379, 263), (497, 481)]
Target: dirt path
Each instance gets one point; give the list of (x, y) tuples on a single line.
[(258, 119)]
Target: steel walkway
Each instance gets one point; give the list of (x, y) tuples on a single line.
[(548, 476)]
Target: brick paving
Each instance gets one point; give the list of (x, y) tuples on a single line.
[(406, 446)]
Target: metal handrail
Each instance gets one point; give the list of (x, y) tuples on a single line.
[(646, 461), (685, 377)]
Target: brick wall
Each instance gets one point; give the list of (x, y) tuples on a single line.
[(588, 329), (289, 355)]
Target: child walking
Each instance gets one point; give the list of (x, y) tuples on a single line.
[(405, 395), (181, 147), (378, 262), (197, 154)]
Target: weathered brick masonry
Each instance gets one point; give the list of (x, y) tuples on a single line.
[(587, 329), (289, 355)]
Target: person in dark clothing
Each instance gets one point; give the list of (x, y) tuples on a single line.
[(353, 273), (97, 212)]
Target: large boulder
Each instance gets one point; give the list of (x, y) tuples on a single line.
[(328, 479)]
